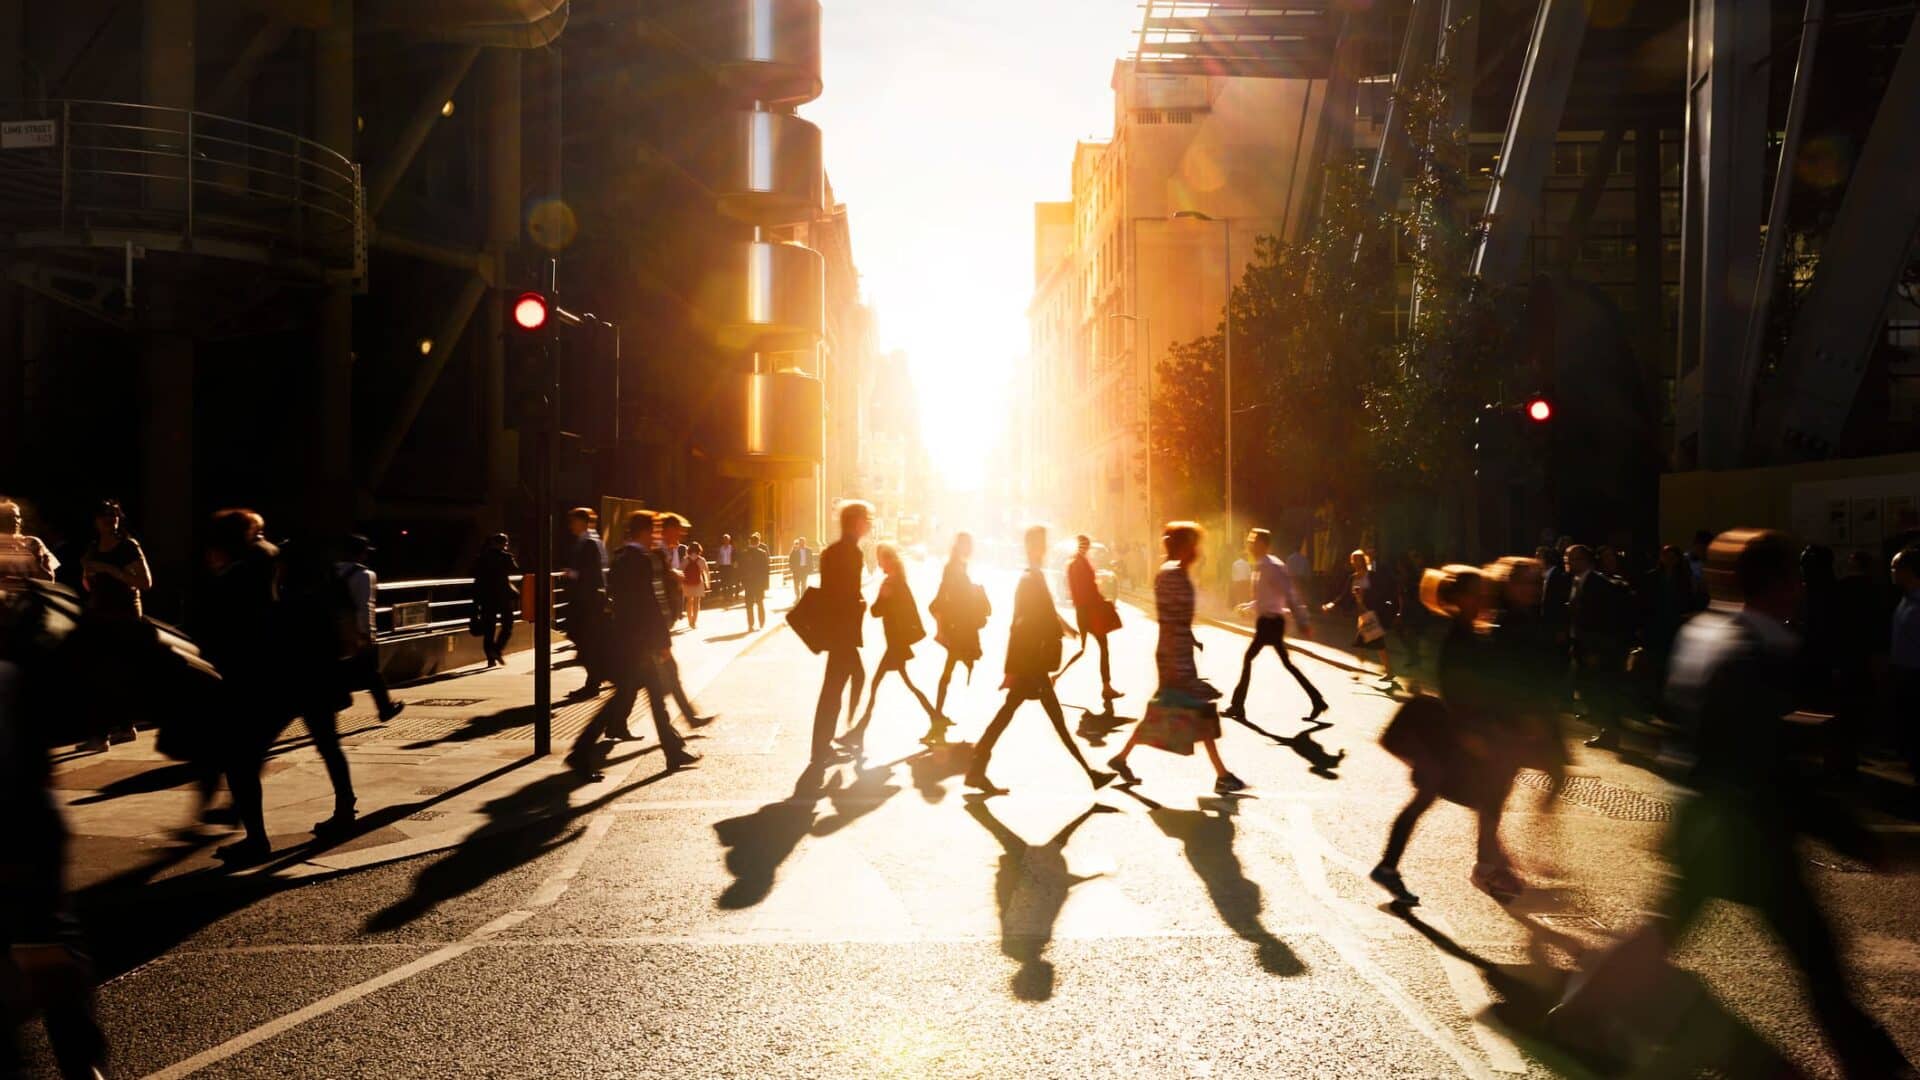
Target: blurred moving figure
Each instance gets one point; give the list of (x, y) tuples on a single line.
[(586, 613), (1095, 614), (1369, 630), (673, 566), (1276, 596), (22, 556), (363, 666), (494, 597), (1734, 838), (1033, 652), (960, 611), (843, 610), (1182, 712), (1598, 617), (899, 618)]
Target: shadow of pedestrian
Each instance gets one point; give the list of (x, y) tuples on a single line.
[(934, 766), (1096, 727), (871, 786), (1207, 839), (1319, 762), (758, 843), (1030, 889), (483, 727), (523, 825)]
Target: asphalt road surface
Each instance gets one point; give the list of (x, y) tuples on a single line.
[(746, 919)]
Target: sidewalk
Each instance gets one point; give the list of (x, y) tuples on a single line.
[(427, 780)]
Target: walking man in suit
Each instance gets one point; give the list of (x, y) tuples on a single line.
[(586, 596), (1274, 597), (1033, 651), (840, 570), (670, 590), (756, 564)]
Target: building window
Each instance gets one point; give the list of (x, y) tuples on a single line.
[(1149, 116), (1179, 116)]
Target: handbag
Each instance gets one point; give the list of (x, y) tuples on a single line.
[(1369, 627), (809, 618), (1174, 722)]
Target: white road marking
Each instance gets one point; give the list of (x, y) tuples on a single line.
[(550, 891)]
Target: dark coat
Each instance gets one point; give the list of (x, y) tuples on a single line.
[(640, 629), (586, 581), (493, 574), (959, 610), (1033, 644), (841, 566), (755, 569)]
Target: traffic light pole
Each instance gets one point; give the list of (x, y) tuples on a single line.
[(543, 558)]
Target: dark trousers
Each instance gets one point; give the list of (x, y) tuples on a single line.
[(496, 629), (1486, 837), (588, 634), (843, 666), (1906, 715), (1023, 690), (1270, 630), (243, 770), (363, 673), (614, 712), (756, 608)]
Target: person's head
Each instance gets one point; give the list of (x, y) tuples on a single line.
[(1082, 543), (1181, 541), (108, 518), (1670, 558), (753, 540), (497, 542), (1547, 555), (9, 518), (1036, 544), (1516, 580), (1358, 562), (1754, 568), (1259, 543), (230, 533), (696, 548), (1906, 569), (1609, 559), (856, 519), (726, 539), (962, 547), (356, 547), (673, 529), (579, 520), (1562, 544), (1579, 559), (887, 557), (1455, 591)]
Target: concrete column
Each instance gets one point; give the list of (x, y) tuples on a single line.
[(168, 511), (1649, 256), (329, 503)]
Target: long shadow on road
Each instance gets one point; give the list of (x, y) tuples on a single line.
[(1031, 888), (1319, 762), (758, 844)]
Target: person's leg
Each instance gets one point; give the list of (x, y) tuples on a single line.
[(1213, 755), (1402, 830), (1059, 717), (585, 754), (243, 786), (1286, 659), (946, 680), (505, 635), (1106, 665), (983, 751), (670, 673), (324, 727), (1239, 700), (376, 683), (826, 713), (873, 695), (1794, 913), (858, 679), (932, 713), (670, 740)]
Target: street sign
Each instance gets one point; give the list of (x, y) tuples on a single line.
[(28, 134)]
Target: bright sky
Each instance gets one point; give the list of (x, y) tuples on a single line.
[(945, 122)]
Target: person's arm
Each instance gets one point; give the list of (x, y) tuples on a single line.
[(138, 574)]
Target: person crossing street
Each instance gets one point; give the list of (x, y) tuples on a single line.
[(1275, 596)]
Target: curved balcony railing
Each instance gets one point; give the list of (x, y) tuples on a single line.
[(109, 173)]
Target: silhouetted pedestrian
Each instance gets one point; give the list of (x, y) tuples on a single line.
[(1370, 628), (960, 611), (114, 573), (236, 627), (494, 597), (1276, 597), (363, 670), (843, 611), (899, 619), (1095, 615), (670, 586), (1734, 838), (693, 582), (1598, 633), (756, 574), (319, 629), (799, 567), (1033, 652), (585, 616), (1182, 698)]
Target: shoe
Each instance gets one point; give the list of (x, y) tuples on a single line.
[(96, 745), (244, 852), (1228, 783), (1110, 693), (585, 769), (120, 735), (339, 824), (1497, 881), (1389, 879), (1606, 740), (1100, 779), (1234, 712), (1119, 766), (979, 782), (680, 758), (396, 709), (698, 722)]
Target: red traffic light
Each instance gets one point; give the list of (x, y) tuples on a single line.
[(530, 311), (1539, 410)]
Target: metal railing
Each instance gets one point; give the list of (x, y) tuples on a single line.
[(178, 178)]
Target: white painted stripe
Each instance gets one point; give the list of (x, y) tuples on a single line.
[(1470, 990)]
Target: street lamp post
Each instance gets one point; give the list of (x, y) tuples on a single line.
[(1226, 365), (1145, 336)]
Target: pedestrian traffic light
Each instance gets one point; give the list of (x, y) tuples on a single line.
[(1539, 409), (530, 311)]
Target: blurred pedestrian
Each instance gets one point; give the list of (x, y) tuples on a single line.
[(899, 619), (1735, 837), (585, 616), (235, 623), (1276, 598), (637, 641), (1095, 614), (1370, 631), (799, 567), (319, 629), (1863, 619), (1904, 657), (364, 586), (22, 556), (755, 568), (693, 579), (1033, 653), (843, 613), (494, 597), (960, 611), (1597, 630), (1182, 711), (670, 587), (115, 573)]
